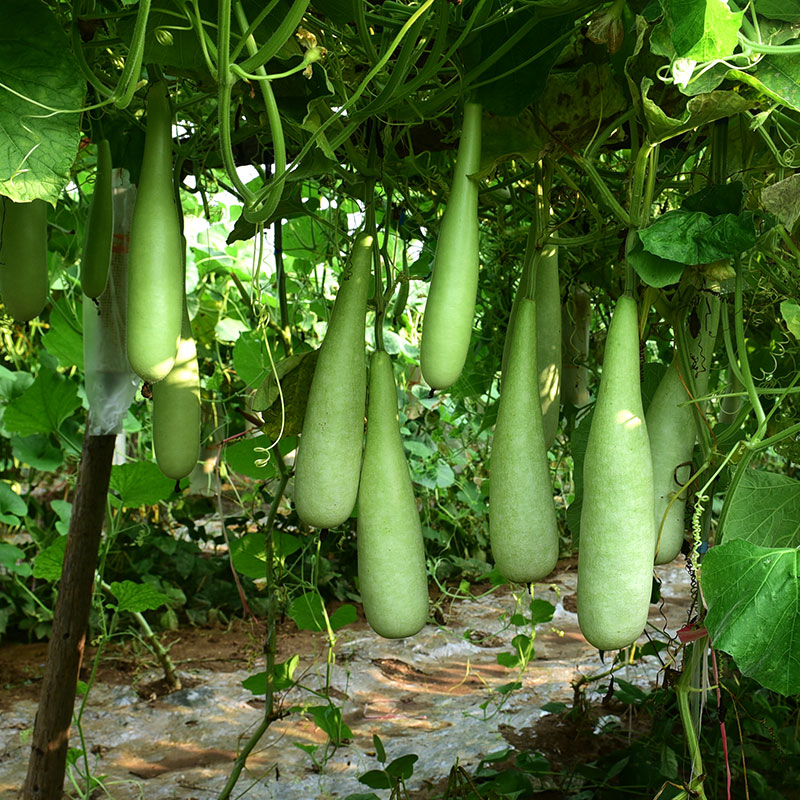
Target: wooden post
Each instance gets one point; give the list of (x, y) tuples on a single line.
[(45, 779)]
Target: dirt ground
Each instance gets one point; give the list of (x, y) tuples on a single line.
[(436, 695)]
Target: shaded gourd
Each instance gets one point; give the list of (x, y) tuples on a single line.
[(450, 307), (547, 293), (177, 410), (617, 528), (392, 575), (672, 431), (328, 462), (576, 321), (522, 520), (155, 265), (23, 258), (96, 258)]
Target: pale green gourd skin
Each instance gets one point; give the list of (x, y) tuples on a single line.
[(522, 520), (548, 337), (617, 541), (392, 576), (23, 258), (450, 307), (177, 411), (96, 257), (576, 321), (155, 266), (672, 432), (328, 461)]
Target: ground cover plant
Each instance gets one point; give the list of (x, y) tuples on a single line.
[(317, 300)]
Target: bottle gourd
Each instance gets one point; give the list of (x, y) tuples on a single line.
[(176, 410), (155, 266), (96, 258), (547, 293), (23, 258), (392, 576), (617, 540), (522, 521), (672, 430), (450, 307), (328, 460)]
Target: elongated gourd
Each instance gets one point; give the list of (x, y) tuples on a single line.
[(96, 257), (672, 430), (155, 267), (392, 576), (576, 321), (328, 461), (615, 556), (547, 294), (450, 307), (23, 258), (522, 518), (176, 410)]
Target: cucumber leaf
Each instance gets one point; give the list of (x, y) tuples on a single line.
[(701, 30), (753, 599), (140, 483), (137, 597), (43, 406)]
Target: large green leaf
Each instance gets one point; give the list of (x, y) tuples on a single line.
[(694, 237), (137, 597), (37, 451), (37, 147), (753, 599), (785, 10), (284, 415), (701, 30), (765, 510), (250, 358), (699, 110), (776, 76), (64, 339), (48, 562), (140, 483), (43, 406), (517, 78)]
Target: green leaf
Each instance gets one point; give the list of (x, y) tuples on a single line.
[(344, 615), (307, 612), (783, 200), (784, 10), (37, 451), (701, 30), (250, 358), (13, 384), (282, 677), (295, 374), (329, 720), (652, 269), (137, 597), (694, 237), (228, 330), (700, 110), (43, 406), (541, 611), (37, 148), (376, 779), (249, 555), (12, 559), (11, 504), (753, 599), (790, 311), (140, 483), (47, 564), (241, 456), (402, 768), (776, 76), (513, 82), (64, 339), (380, 752), (509, 660), (765, 510)]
